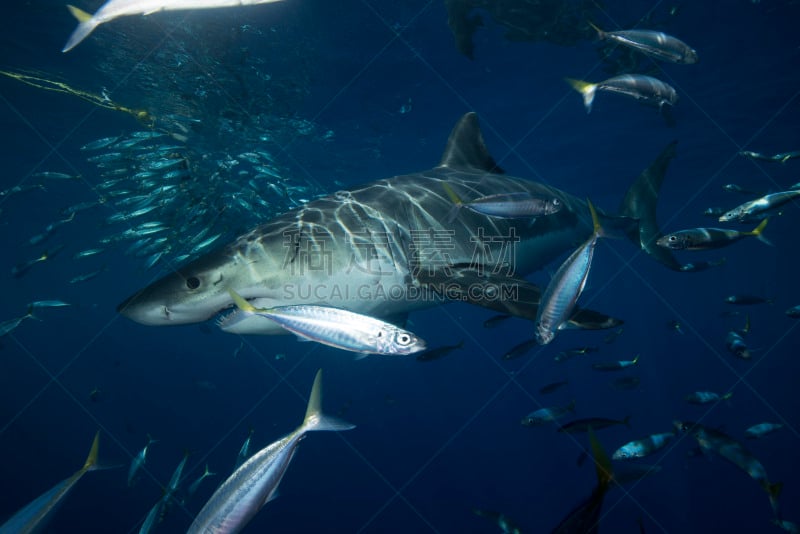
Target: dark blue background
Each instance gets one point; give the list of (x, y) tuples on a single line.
[(435, 440)]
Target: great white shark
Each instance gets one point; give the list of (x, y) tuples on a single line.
[(396, 245)]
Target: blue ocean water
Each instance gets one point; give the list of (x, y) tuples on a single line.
[(355, 91)]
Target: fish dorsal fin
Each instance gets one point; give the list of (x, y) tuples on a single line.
[(465, 148)]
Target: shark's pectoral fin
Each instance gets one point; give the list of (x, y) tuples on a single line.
[(506, 294), (640, 203)]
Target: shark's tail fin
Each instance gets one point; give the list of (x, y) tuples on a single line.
[(86, 25), (640, 203)]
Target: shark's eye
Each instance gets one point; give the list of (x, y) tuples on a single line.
[(673, 238), (193, 282)]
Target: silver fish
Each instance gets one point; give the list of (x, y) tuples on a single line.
[(87, 276), (196, 484), (6, 327), (51, 175), (243, 494), (100, 143), (708, 238), (139, 460), (34, 516), (642, 447), (339, 328), (547, 415), (706, 397), (655, 44), (244, 451), (47, 304), (645, 89), (507, 205), (559, 299), (762, 429), (760, 207), (86, 253), (119, 8)]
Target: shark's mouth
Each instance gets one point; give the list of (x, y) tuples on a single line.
[(228, 316)]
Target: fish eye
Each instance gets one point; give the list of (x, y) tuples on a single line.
[(673, 238), (193, 282), (403, 339), (556, 202)]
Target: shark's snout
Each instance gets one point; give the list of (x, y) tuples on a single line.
[(138, 307)]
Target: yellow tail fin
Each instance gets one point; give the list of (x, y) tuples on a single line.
[(579, 85), (758, 231), (600, 33), (315, 419), (241, 303), (79, 14), (91, 460), (586, 89), (454, 198), (760, 228), (602, 464), (595, 219)]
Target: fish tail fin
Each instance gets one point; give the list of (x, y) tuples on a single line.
[(595, 27), (29, 313), (86, 25), (455, 199), (315, 419), (91, 460), (627, 421), (640, 204), (586, 89), (757, 232), (602, 463), (241, 303), (636, 359), (727, 396), (774, 490), (597, 227)]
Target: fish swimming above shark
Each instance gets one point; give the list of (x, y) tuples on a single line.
[(120, 8), (386, 248)]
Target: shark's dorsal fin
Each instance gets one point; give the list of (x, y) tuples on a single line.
[(465, 148)]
